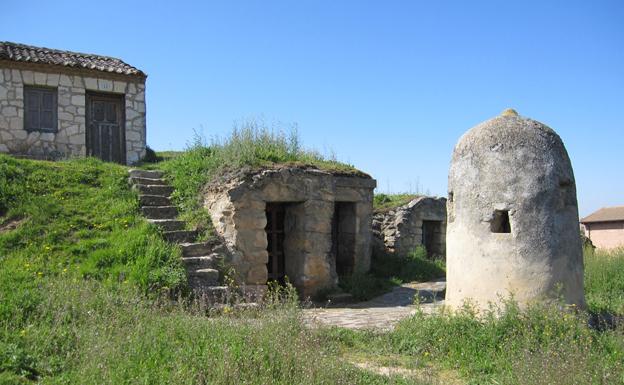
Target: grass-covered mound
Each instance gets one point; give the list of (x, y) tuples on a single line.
[(248, 149), (78, 219), (76, 261), (80, 273)]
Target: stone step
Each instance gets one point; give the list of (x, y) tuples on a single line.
[(148, 189), (180, 236), (168, 224), (202, 262), (147, 181), (153, 200), (159, 212), (197, 249), (212, 294), (203, 277), (152, 174)]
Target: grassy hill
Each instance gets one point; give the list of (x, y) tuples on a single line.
[(85, 298), (84, 295)]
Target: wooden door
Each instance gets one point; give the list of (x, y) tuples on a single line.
[(106, 128), (275, 213)]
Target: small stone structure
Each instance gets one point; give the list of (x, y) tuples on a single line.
[(59, 104), (512, 216), (309, 225), (422, 221)]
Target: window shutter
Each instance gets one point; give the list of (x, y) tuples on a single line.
[(40, 112)]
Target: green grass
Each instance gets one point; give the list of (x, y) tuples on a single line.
[(250, 147), (389, 270), (385, 202), (604, 280), (540, 345), (79, 219), (81, 275), (86, 333), (80, 302)]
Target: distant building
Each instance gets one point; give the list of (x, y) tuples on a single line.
[(60, 104), (605, 227)]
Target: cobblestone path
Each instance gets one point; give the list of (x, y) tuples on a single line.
[(383, 312)]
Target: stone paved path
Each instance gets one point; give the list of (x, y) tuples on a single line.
[(383, 312)]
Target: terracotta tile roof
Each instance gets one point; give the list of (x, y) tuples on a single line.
[(29, 54), (606, 214)]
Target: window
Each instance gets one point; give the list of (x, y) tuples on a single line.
[(500, 222), (40, 109)]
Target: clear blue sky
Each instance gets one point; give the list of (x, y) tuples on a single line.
[(389, 86)]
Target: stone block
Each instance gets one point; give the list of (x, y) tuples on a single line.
[(16, 76), (65, 116), (251, 240), (90, 84), (78, 100), (119, 87), (65, 81), (53, 80), (105, 85), (17, 124), (3, 92), (131, 114), (133, 135), (28, 77), (40, 79), (257, 275), (77, 82)]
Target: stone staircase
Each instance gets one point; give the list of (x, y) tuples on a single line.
[(201, 259)]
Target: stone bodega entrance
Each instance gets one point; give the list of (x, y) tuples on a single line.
[(308, 225), (343, 237), (433, 238)]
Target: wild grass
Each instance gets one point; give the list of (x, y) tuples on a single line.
[(77, 260), (604, 280), (250, 146), (389, 270), (385, 202), (78, 219), (87, 333), (539, 345)]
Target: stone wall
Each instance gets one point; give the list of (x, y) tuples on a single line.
[(72, 86), (238, 213), (400, 230)]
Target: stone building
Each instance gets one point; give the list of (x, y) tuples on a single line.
[(605, 227), (309, 225), (512, 216), (420, 222), (59, 104)]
